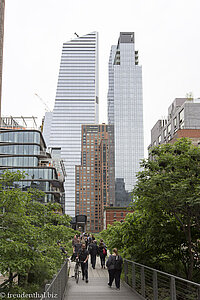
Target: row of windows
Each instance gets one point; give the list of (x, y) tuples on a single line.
[(63, 98), (168, 129), (20, 137), (75, 90), (78, 61), (78, 77), (74, 66), (76, 93), (74, 103), (80, 85), (40, 185), (23, 161), (38, 173), (20, 149)]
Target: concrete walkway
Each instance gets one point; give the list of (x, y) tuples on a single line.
[(97, 288)]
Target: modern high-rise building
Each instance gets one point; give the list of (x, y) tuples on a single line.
[(2, 9), (125, 111), (46, 126), (182, 121), (23, 149), (76, 103), (95, 177)]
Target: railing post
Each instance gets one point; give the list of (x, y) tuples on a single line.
[(54, 288), (198, 293), (60, 285), (126, 271), (47, 286), (173, 289), (152, 283), (142, 282), (133, 276), (57, 287), (155, 286), (45, 290)]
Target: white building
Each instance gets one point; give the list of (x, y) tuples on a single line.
[(76, 103), (47, 126), (125, 108)]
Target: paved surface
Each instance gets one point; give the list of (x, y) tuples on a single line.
[(97, 288)]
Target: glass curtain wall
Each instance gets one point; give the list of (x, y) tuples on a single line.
[(125, 109), (76, 103)]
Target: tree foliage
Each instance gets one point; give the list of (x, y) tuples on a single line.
[(164, 229), (29, 231)]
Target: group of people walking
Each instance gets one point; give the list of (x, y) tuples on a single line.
[(85, 245)]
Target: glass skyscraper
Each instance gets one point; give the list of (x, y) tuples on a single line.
[(24, 150), (125, 111), (76, 103)]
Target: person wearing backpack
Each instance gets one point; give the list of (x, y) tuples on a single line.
[(114, 265), (93, 250), (102, 253)]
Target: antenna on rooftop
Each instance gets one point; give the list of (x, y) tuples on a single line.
[(76, 34)]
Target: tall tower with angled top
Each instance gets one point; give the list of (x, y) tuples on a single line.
[(76, 103)]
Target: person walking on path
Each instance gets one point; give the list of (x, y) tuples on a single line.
[(74, 242), (102, 253), (93, 250), (114, 265), (83, 256), (77, 247)]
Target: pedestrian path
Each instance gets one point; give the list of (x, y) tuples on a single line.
[(97, 288)]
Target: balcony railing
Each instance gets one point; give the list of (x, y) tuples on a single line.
[(56, 289), (154, 285)]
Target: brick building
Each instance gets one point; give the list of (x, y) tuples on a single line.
[(193, 134), (95, 178), (114, 214)]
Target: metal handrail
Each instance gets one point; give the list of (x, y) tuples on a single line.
[(154, 285), (56, 289)]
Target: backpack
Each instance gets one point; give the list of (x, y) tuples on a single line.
[(118, 263), (90, 248), (104, 251)]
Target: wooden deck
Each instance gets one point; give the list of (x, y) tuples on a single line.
[(97, 288)]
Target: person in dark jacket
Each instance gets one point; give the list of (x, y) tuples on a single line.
[(102, 253), (93, 250), (114, 265), (83, 256)]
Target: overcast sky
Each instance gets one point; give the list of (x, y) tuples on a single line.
[(167, 35)]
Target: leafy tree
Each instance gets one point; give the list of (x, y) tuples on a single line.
[(163, 231), (168, 190), (29, 232), (113, 236)]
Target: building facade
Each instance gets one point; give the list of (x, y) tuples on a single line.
[(95, 176), (46, 127), (2, 9), (25, 150), (125, 109), (76, 103), (182, 121), (115, 214)]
